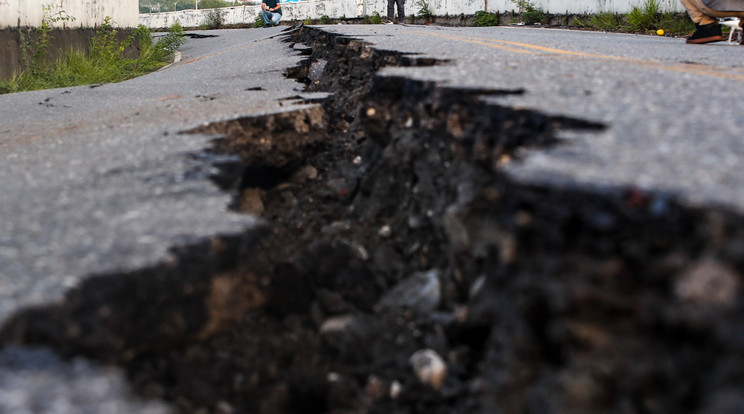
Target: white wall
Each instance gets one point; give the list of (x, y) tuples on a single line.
[(314, 9), (87, 13)]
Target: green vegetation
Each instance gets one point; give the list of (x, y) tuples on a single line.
[(644, 18), (484, 19), (213, 20), (606, 21), (424, 12), (103, 63), (649, 18), (373, 19), (259, 22), (324, 19), (529, 13)]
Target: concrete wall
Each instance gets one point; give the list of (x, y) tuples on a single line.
[(314, 9), (87, 13)]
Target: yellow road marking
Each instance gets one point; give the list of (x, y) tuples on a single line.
[(532, 49)]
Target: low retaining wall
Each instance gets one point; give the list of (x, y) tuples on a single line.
[(337, 9), (12, 40), (29, 13)]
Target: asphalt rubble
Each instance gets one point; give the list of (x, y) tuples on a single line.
[(400, 270)]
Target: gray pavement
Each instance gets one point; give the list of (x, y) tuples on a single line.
[(99, 180), (672, 110)]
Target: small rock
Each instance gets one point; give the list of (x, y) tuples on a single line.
[(708, 282), (376, 389), (395, 390), (429, 368), (477, 286), (333, 377), (251, 201), (385, 231), (421, 293), (223, 407), (305, 173), (337, 324)]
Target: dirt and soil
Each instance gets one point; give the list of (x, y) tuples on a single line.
[(390, 229)]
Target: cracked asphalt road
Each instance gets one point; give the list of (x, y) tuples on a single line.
[(98, 180), (673, 124)]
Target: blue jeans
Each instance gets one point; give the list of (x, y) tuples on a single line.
[(401, 4), (270, 18)]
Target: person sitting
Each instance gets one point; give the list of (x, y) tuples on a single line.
[(705, 14), (271, 12)]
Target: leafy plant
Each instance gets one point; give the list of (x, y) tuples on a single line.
[(259, 22), (324, 19), (529, 13), (36, 62), (214, 19), (424, 12), (605, 21), (104, 46), (307, 22), (484, 19), (373, 19), (644, 18)]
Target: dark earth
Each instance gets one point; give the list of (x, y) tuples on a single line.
[(400, 270)]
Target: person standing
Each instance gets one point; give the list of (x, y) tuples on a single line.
[(401, 10), (705, 14), (271, 12)]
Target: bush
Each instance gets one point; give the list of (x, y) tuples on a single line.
[(103, 63), (483, 19), (213, 20), (645, 18), (606, 21), (529, 13), (424, 12), (374, 19), (259, 22), (325, 19)]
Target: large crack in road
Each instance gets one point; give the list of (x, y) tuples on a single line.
[(399, 269)]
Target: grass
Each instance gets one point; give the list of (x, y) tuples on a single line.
[(645, 18), (484, 19), (375, 18), (259, 22), (104, 62), (606, 21)]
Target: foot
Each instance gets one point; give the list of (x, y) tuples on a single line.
[(706, 33), (388, 21)]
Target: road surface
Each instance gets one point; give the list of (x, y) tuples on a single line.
[(101, 180)]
